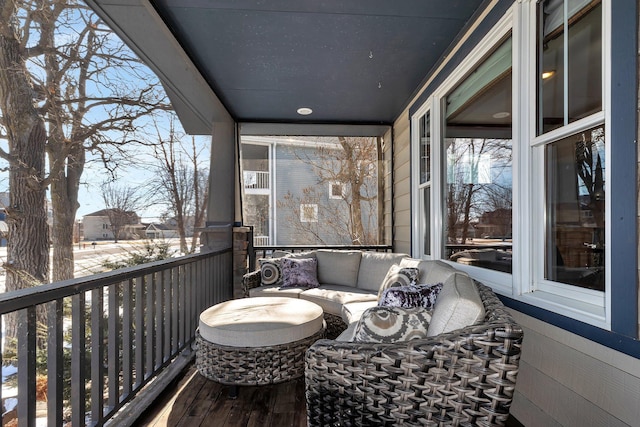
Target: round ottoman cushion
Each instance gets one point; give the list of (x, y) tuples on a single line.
[(260, 321)]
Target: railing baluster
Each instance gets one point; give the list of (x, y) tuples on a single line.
[(27, 367), (150, 325), (55, 363), (159, 303), (182, 291), (166, 281), (139, 332), (78, 355), (127, 337), (97, 355), (113, 346), (175, 304)]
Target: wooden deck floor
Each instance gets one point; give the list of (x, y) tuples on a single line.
[(196, 401)]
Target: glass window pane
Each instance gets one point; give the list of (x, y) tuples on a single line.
[(311, 190), (425, 148), (567, 96), (477, 165), (426, 220), (575, 199)]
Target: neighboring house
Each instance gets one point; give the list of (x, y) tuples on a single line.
[(97, 226), (282, 194), (189, 225), (160, 231)]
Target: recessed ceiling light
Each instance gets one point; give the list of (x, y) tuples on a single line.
[(304, 111), (501, 115)]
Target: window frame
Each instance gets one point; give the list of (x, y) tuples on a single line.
[(616, 308)]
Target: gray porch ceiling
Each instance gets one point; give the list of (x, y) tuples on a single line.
[(353, 62)]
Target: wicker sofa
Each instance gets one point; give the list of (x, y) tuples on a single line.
[(462, 373)]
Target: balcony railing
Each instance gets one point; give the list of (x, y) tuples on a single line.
[(110, 338), (256, 182)]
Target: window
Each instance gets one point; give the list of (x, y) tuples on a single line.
[(514, 173), (569, 46), (477, 166), (336, 190), (308, 213), (574, 208), (425, 182)]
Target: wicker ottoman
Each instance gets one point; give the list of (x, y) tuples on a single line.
[(256, 341)]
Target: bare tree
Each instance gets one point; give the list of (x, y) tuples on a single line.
[(82, 84), (349, 168), (28, 247), (121, 203), (470, 194), (182, 184)]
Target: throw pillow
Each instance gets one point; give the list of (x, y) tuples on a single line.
[(392, 324), (300, 273), (270, 271), (411, 296), (397, 276)]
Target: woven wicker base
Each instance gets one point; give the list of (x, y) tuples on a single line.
[(252, 365), (335, 325)]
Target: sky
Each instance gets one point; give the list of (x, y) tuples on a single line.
[(126, 79)]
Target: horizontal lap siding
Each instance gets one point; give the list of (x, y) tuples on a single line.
[(402, 184), (576, 381)]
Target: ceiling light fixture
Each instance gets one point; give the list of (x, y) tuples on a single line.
[(501, 115), (548, 74), (304, 111)]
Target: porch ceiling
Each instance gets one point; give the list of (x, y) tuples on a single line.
[(352, 62)]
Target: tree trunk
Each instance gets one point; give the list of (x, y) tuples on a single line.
[(28, 243)]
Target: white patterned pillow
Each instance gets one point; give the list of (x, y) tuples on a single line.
[(397, 276), (270, 271), (411, 296), (392, 324)]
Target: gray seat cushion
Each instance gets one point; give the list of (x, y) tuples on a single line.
[(332, 297), (338, 267), (458, 305), (276, 291), (374, 267)]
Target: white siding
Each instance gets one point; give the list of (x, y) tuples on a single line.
[(567, 380)]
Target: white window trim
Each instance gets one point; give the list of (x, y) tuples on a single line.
[(342, 190), (525, 284)]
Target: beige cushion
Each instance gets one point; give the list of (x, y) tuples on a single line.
[(338, 267), (275, 291), (260, 322), (458, 305), (332, 297), (430, 271), (373, 268), (352, 311)]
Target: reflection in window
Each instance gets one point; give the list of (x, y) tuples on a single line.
[(569, 61), (477, 146), (575, 197)]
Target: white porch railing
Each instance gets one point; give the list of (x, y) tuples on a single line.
[(256, 180)]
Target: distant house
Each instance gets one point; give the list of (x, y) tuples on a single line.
[(160, 231), (98, 225)]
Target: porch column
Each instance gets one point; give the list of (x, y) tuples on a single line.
[(221, 207)]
